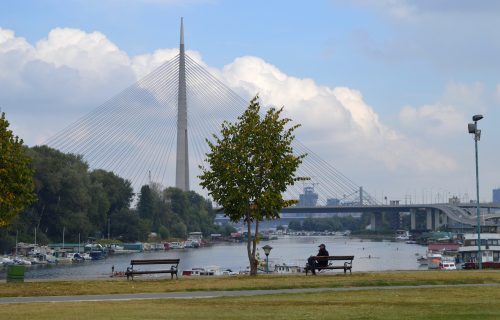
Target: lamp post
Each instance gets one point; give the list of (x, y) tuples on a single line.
[(267, 249), (477, 136)]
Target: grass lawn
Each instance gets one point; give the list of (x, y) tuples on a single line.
[(81, 287), (435, 303)]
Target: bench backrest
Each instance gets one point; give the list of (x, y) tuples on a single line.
[(154, 261), (334, 258)]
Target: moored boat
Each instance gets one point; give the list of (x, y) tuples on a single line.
[(287, 269), (176, 245), (490, 251)]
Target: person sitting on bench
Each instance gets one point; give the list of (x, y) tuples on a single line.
[(315, 264)]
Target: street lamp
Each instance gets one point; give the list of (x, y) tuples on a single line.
[(267, 249), (477, 136)]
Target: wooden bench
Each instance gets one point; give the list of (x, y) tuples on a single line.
[(172, 262), (346, 266)]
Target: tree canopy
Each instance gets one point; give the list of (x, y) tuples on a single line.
[(250, 165), (16, 175), (85, 202)]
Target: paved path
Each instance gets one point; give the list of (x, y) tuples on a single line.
[(213, 294)]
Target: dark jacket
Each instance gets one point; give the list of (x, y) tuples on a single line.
[(322, 253)]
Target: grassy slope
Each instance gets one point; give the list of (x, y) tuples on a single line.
[(81, 287)]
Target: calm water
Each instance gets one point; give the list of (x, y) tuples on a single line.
[(368, 256)]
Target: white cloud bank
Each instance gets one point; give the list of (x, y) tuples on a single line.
[(71, 72), (337, 119)]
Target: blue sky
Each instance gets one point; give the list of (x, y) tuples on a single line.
[(421, 69)]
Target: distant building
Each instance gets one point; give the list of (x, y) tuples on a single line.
[(309, 198), (454, 200), (496, 195)]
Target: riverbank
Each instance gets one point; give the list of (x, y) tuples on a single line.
[(327, 280)]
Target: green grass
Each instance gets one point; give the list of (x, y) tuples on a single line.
[(83, 287), (436, 303)]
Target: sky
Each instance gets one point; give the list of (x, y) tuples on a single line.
[(384, 89)]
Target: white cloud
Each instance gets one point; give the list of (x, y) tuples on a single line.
[(447, 116), (62, 77), (433, 119), (338, 118)]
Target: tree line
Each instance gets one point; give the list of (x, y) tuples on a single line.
[(88, 203)]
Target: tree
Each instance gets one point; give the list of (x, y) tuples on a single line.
[(250, 166), (16, 175)]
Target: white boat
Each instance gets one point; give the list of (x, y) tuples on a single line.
[(75, 257), (22, 261), (447, 265), (38, 258), (402, 235), (287, 269), (209, 271), (61, 256), (176, 245), (197, 272), (86, 256), (191, 244), (7, 261)]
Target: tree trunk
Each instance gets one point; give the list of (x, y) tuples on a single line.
[(251, 246)]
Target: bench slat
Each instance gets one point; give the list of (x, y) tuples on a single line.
[(151, 271), (155, 261), (334, 258)]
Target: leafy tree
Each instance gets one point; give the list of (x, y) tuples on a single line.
[(127, 226), (118, 192), (145, 204), (227, 229), (16, 176), (62, 185), (179, 230), (250, 166)]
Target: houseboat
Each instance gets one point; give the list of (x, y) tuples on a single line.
[(490, 251)]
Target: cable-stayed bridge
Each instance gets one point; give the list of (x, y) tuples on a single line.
[(155, 131)]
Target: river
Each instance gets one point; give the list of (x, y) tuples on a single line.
[(369, 255)]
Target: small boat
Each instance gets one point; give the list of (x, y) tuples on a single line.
[(6, 261), (95, 251), (176, 245), (287, 269), (21, 261), (402, 235), (191, 244), (209, 271), (75, 257), (197, 272), (39, 258)]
